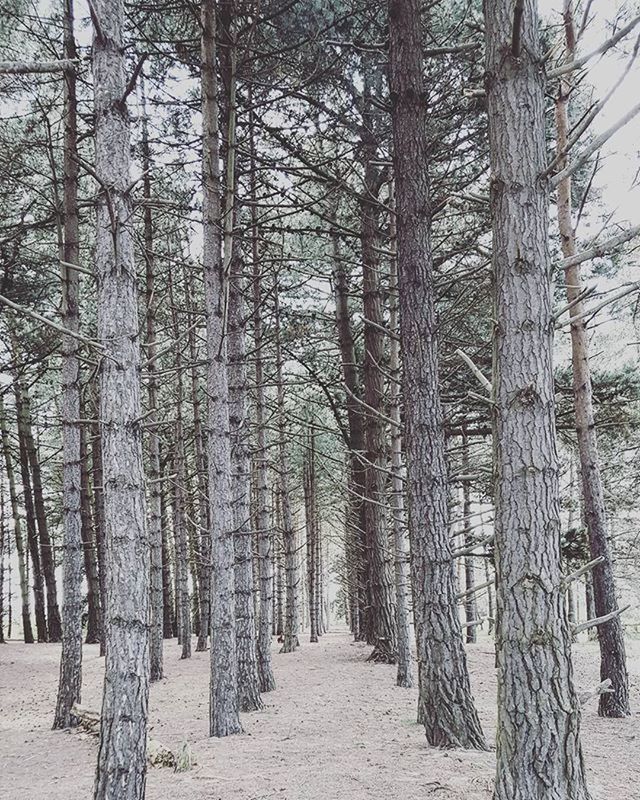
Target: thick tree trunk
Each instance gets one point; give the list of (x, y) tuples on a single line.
[(47, 559), (382, 629), (94, 609), (70, 683), (27, 630), (538, 753), (32, 533), (613, 660), (445, 703), (224, 705), (153, 418), (121, 771)]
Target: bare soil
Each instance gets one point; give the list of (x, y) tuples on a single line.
[(337, 728)]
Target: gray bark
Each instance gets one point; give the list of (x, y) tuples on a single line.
[(70, 682), (224, 700), (538, 753), (121, 770), (446, 706)]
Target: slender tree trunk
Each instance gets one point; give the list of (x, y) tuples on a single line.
[(27, 630), (153, 418), (32, 533), (404, 676), (382, 629), (470, 603), (168, 617), (312, 549), (98, 511), (532, 634), (292, 578), (445, 703), (70, 683), (224, 705), (122, 758), (357, 470), (4, 540), (94, 616), (47, 560), (613, 659)]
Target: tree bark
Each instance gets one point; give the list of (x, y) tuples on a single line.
[(153, 419), (613, 660), (538, 753), (27, 630), (121, 769), (446, 705), (90, 553), (70, 682), (310, 525), (224, 705), (470, 603)]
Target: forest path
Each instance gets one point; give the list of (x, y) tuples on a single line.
[(336, 728)]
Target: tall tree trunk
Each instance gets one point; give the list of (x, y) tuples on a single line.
[(404, 677), (168, 616), (27, 630), (613, 659), (70, 683), (532, 634), (94, 615), (445, 702), (292, 578), (47, 560), (224, 705), (153, 418), (357, 469), (32, 533), (470, 603), (97, 479), (310, 524), (4, 550), (122, 758), (382, 629)]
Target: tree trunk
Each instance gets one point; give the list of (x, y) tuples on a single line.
[(404, 677), (445, 703), (98, 511), (309, 481), (47, 559), (121, 771), (32, 533), (613, 660), (153, 418), (532, 634), (70, 683), (168, 616), (27, 630), (94, 609), (470, 603), (292, 579), (224, 705)]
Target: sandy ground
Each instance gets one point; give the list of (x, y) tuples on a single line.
[(336, 727)]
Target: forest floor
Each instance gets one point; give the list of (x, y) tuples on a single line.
[(336, 728)]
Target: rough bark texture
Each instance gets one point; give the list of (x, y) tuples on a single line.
[(98, 509), (537, 743), (446, 705), (70, 683), (121, 771), (470, 603), (224, 700), (312, 548), (613, 661), (27, 630), (153, 419), (90, 552)]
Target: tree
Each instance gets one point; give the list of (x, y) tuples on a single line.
[(448, 712), (122, 757), (538, 754)]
